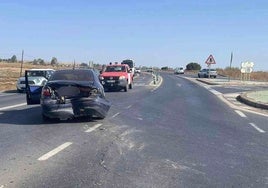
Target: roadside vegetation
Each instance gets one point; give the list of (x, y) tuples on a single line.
[(235, 73)]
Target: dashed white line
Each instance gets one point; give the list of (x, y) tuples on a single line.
[(257, 128), (240, 113), (115, 115), (54, 151), (93, 128), (13, 106), (128, 107)]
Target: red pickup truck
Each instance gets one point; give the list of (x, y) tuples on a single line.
[(117, 76)]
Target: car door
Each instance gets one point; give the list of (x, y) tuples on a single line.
[(33, 93)]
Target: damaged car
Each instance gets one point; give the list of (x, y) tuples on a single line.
[(69, 94)]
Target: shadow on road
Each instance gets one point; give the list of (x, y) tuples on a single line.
[(32, 116), (10, 91)]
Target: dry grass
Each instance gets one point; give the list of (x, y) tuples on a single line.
[(10, 72), (235, 73)]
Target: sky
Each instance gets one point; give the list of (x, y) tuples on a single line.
[(157, 33)]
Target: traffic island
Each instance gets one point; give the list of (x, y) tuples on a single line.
[(257, 99)]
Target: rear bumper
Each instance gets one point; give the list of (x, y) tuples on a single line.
[(98, 107)]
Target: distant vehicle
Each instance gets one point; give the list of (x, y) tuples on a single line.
[(131, 65), (137, 71), (205, 73), (37, 77), (179, 70), (69, 94), (150, 70), (117, 76)]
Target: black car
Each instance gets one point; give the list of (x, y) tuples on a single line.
[(69, 94)]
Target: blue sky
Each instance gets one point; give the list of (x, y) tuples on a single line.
[(151, 32)]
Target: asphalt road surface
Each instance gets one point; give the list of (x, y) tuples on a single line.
[(176, 135)]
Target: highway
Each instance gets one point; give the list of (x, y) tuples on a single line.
[(177, 134)]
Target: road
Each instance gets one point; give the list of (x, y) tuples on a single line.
[(177, 135)]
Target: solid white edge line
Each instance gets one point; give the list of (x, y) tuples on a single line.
[(93, 128), (240, 113), (54, 151), (13, 106), (115, 115), (257, 128)]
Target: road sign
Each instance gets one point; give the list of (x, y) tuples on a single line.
[(247, 64), (210, 60), (247, 67)]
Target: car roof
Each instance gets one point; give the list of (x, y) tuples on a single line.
[(42, 69)]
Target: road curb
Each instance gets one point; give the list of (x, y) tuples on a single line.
[(206, 82), (251, 102)]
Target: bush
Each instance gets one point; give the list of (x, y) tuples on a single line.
[(193, 66)]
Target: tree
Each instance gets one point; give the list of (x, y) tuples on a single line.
[(38, 62), (13, 59), (54, 61), (164, 68), (193, 66)]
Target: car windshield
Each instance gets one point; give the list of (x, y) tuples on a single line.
[(36, 73), (73, 75), (115, 69)]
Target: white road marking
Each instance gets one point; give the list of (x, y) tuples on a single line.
[(179, 85), (215, 92), (240, 113), (257, 128), (54, 151), (93, 128), (1, 186), (140, 119), (13, 106), (115, 115), (128, 107)]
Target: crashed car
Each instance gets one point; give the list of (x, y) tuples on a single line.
[(69, 94), (36, 77)]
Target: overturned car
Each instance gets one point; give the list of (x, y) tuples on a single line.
[(69, 94)]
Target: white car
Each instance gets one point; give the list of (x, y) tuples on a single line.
[(205, 73), (36, 77), (179, 70)]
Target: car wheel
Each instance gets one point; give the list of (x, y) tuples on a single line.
[(198, 75), (45, 118), (29, 101), (125, 88), (19, 90), (130, 86)]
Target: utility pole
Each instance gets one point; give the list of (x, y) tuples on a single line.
[(74, 65), (231, 61), (22, 54)]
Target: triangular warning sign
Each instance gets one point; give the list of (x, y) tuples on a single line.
[(210, 60)]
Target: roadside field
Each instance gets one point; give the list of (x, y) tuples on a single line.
[(10, 72)]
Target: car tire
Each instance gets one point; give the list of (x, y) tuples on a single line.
[(45, 118), (198, 75), (19, 90), (28, 100), (126, 88)]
